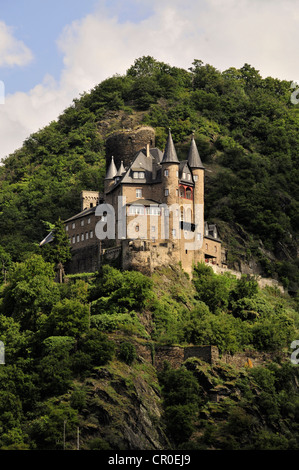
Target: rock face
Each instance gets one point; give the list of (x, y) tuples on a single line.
[(122, 145), (123, 408)]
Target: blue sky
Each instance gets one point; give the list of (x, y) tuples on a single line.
[(53, 50)]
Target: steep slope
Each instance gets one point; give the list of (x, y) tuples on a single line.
[(246, 129)]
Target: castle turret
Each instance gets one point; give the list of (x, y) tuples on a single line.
[(197, 168), (170, 177), (120, 172), (110, 175)]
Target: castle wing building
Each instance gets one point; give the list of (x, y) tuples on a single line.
[(150, 214)]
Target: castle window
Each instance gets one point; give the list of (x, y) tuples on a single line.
[(166, 192), (66, 228), (153, 228), (189, 176), (88, 220), (199, 236), (138, 174), (184, 176), (91, 205), (182, 192), (207, 246), (177, 174), (73, 225), (82, 237), (82, 223), (74, 239), (138, 192), (195, 177), (137, 228), (166, 173), (91, 234), (173, 232), (215, 249), (188, 193), (86, 235), (78, 238)]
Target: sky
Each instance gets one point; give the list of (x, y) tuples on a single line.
[(51, 51)]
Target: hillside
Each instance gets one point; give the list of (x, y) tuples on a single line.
[(246, 129), (99, 354), (128, 361)]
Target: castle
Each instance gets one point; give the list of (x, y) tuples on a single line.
[(151, 212)]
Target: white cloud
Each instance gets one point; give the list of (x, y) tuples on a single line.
[(223, 33), (12, 51)]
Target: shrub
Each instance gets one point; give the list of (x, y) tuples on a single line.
[(127, 352)]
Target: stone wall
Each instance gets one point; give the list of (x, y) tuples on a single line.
[(84, 260), (249, 358), (177, 355), (122, 145), (262, 281)]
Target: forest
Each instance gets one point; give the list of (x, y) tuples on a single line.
[(72, 350)]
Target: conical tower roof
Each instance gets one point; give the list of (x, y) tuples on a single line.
[(194, 160), (170, 155), (121, 169), (111, 173)]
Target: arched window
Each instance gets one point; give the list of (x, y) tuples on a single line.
[(189, 193)]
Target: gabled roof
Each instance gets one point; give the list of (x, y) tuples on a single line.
[(170, 155), (140, 163), (111, 172), (83, 213), (194, 160), (184, 168), (48, 239)]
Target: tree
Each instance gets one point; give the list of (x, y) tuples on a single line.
[(58, 251), (30, 292), (69, 317)]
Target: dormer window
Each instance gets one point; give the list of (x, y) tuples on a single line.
[(138, 174)]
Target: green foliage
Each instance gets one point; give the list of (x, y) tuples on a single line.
[(211, 289), (127, 352), (59, 250), (180, 392), (69, 317), (30, 291)]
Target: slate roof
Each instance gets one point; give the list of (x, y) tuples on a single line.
[(194, 159), (170, 155), (111, 172), (83, 213)]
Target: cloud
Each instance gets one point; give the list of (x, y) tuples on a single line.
[(12, 51), (223, 33)]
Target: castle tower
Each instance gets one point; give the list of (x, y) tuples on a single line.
[(170, 177), (110, 175), (197, 168), (125, 143)]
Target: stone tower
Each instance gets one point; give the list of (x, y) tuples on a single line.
[(170, 178), (197, 168), (124, 144)]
